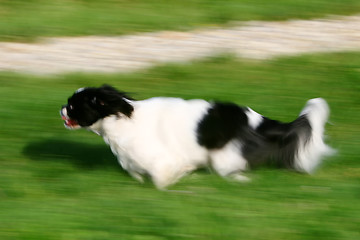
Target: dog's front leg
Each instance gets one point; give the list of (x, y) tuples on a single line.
[(169, 172), (137, 176)]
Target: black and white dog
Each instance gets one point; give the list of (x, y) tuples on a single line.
[(165, 138)]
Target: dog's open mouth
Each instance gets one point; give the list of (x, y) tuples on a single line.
[(68, 122)]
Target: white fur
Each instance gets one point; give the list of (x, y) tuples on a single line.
[(228, 161), (158, 139), (80, 90), (254, 118), (309, 157)]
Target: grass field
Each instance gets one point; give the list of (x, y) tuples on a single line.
[(24, 20), (58, 184)]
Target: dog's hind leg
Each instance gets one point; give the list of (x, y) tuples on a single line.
[(238, 177), (228, 162)]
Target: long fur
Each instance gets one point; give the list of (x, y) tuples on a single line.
[(166, 138)]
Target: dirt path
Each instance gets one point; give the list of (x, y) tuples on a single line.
[(255, 40)]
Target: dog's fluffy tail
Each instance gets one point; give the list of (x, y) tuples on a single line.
[(311, 146), (298, 145)]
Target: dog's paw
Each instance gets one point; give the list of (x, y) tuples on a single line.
[(239, 178)]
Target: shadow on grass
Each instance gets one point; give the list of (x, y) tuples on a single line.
[(82, 155)]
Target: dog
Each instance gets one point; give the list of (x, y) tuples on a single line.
[(166, 138)]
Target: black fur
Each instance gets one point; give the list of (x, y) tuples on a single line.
[(276, 142), (91, 104), (223, 122), (272, 141)]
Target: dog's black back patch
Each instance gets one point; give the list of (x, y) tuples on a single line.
[(222, 123)]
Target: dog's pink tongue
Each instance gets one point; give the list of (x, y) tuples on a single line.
[(71, 122)]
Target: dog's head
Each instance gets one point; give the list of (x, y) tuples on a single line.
[(88, 105)]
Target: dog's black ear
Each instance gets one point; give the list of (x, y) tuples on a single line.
[(112, 101)]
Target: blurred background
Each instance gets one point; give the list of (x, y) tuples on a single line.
[(58, 184)]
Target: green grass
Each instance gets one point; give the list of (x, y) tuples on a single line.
[(58, 184), (24, 20)]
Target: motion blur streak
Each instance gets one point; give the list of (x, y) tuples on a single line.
[(254, 40), (67, 185)]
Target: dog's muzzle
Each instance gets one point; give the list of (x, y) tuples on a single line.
[(68, 122)]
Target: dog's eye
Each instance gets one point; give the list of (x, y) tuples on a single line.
[(71, 107)]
